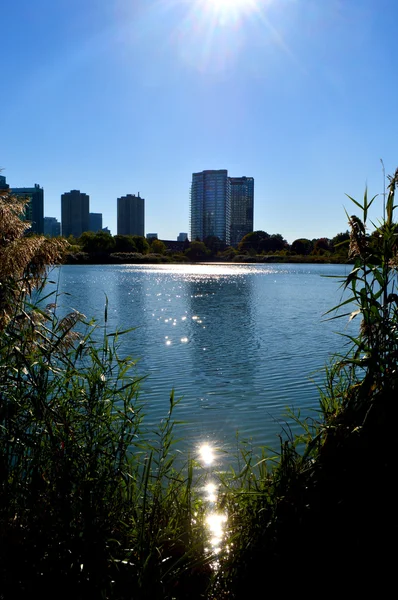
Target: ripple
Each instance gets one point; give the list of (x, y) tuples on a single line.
[(238, 343)]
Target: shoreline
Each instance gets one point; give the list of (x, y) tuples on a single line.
[(83, 258)]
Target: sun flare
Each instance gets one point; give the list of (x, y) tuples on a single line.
[(230, 8)]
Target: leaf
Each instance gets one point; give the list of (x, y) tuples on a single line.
[(351, 299), (355, 202), (106, 309)]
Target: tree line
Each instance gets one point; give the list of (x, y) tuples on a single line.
[(255, 243)]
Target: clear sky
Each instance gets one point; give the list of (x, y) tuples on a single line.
[(124, 96)]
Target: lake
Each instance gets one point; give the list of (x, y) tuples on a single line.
[(238, 343)]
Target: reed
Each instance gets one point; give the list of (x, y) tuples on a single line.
[(323, 509), (91, 504)]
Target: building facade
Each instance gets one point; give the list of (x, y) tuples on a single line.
[(75, 210), (52, 227), (3, 183), (95, 222), (211, 205), (242, 204), (131, 215), (34, 211)]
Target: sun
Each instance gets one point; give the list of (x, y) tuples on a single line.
[(225, 4), (227, 8)]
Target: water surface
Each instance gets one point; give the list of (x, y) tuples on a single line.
[(238, 343)]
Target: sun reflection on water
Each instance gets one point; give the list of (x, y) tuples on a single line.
[(210, 489), (215, 521), (206, 454)]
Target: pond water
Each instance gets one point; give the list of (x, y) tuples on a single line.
[(240, 344)]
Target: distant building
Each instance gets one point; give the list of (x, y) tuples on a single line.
[(131, 215), (182, 237), (52, 227), (75, 209), (95, 222), (35, 207), (106, 230), (242, 201), (211, 205), (34, 211), (151, 236), (3, 183)]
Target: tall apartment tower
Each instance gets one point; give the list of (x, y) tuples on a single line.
[(242, 202), (211, 205), (95, 222), (75, 210), (131, 215), (34, 211)]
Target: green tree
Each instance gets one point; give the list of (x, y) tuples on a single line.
[(275, 243), (302, 246), (197, 251), (339, 244), (124, 243), (158, 247), (214, 244), (321, 246), (253, 241), (96, 243), (141, 244)]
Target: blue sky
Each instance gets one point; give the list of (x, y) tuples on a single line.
[(124, 96)]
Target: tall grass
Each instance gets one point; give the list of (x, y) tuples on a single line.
[(322, 513), (89, 506)]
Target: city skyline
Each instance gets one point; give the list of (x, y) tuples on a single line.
[(297, 93), (240, 205)]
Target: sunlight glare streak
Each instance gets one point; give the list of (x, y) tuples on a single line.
[(206, 453), (216, 525), (211, 490)]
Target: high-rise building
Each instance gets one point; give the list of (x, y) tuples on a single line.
[(75, 209), (182, 237), (211, 205), (95, 222), (3, 184), (131, 215), (242, 201), (34, 211), (52, 227)]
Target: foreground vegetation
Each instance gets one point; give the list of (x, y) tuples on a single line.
[(89, 506), (323, 512), (92, 507)]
